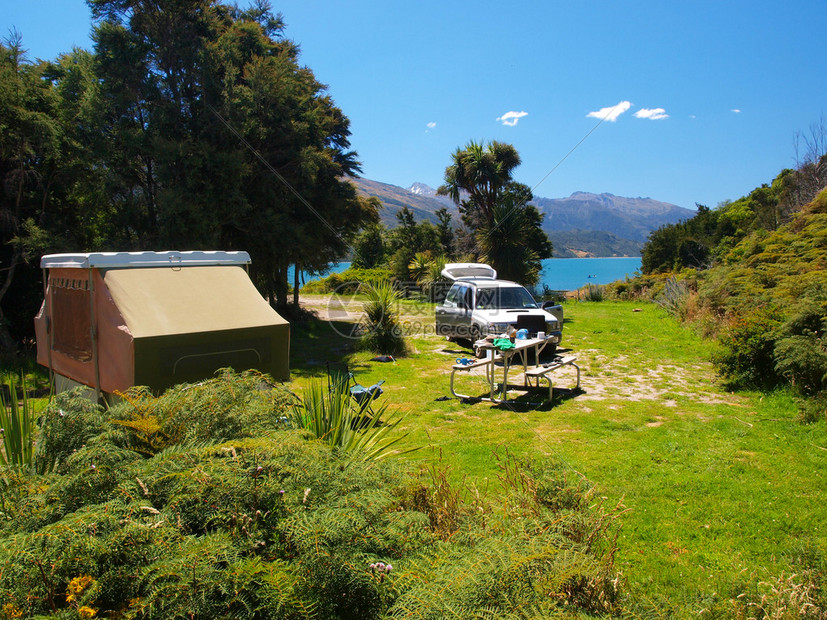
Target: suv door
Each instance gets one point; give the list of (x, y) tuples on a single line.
[(455, 312)]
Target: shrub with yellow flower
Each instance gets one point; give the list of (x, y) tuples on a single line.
[(77, 587), (10, 610)]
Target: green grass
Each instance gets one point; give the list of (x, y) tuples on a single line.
[(723, 490)]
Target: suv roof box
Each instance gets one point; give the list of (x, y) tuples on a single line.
[(457, 271)]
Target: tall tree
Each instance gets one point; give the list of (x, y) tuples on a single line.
[(220, 138), (481, 172), (29, 139), (507, 230)]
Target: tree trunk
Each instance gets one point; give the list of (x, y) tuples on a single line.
[(8, 347), (281, 284), (296, 285)]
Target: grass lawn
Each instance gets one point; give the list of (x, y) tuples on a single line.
[(723, 490)]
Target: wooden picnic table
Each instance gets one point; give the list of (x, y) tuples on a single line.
[(508, 358)]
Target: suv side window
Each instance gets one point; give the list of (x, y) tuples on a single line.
[(467, 297), (452, 298)]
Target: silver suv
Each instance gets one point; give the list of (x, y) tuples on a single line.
[(478, 304)]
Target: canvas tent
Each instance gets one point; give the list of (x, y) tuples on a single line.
[(111, 320)]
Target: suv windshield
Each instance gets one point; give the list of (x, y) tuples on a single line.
[(501, 298)]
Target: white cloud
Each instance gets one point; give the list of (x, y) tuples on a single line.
[(736, 110), (431, 125), (509, 119), (653, 114), (611, 113)]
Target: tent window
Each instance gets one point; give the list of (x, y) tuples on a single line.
[(72, 318)]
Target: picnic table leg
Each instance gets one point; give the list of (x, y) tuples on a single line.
[(453, 391), (506, 365)]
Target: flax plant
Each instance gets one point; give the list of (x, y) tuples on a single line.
[(333, 416), (17, 427), (383, 332)]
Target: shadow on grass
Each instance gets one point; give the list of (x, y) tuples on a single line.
[(463, 352), (316, 343), (532, 399)]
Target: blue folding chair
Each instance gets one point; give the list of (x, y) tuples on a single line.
[(361, 394)]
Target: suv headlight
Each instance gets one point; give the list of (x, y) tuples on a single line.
[(497, 328), (552, 326)]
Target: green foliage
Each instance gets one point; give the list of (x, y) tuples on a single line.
[(67, 424), (745, 354), (801, 349), (593, 292), (17, 425), (559, 561), (369, 248), (510, 242), (675, 297), (349, 281), (382, 331), (228, 405), (268, 524), (335, 417), (687, 244), (410, 239)]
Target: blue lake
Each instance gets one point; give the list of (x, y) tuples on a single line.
[(568, 274), (558, 274)]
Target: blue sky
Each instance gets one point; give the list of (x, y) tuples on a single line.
[(711, 93)]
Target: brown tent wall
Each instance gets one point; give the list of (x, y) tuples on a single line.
[(72, 322), (158, 326)]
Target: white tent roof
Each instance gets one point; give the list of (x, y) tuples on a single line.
[(126, 260)]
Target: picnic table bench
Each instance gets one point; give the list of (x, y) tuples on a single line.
[(543, 371), (487, 363)]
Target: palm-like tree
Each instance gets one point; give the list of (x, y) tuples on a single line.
[(483, 171), (505, 244), (507, 230), (420, 264)]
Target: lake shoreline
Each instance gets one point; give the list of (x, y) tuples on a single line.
[(557, 274)]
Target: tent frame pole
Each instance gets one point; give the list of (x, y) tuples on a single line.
[(47, 308), (93, 329)]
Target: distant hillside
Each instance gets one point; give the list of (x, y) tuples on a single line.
[(423, 203), (583, 224), (627, 218), (591, 243)]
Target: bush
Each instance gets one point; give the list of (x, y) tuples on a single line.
[(354, 428), (593, 292), (800, 355), (745, 354), (382, 331), (349, 281), (17, 426), (270, 524), (675, 297), (67, 424)]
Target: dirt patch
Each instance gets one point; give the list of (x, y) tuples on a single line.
[(607, 378), (333, 308)]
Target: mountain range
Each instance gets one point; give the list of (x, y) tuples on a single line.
[(583, 224)]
